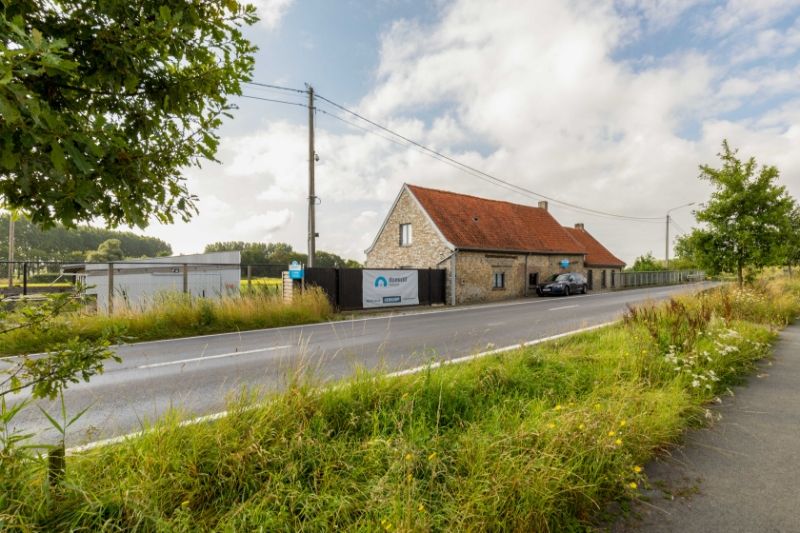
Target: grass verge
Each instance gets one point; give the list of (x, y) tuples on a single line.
[(176, 315), (532, 440)]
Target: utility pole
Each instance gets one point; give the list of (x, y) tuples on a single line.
[(312, 199), (11, 246), (666, 244), (666, 241)]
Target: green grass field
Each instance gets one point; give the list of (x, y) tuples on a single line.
[(539, 439)]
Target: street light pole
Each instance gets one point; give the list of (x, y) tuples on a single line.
[(666, 240)]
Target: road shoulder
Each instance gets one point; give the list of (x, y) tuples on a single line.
[(741, 474)]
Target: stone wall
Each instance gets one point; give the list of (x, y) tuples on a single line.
[(475, 272), (427, 248)]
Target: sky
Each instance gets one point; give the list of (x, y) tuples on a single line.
[(609, 105)]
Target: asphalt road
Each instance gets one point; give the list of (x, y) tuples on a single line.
[(197, 374)]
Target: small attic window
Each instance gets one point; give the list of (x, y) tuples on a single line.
[(405, 234)]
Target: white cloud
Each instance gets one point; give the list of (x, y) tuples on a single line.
[(530, 92), (271, 12), (256, 227)]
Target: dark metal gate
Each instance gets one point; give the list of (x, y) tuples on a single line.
[(345, 289)]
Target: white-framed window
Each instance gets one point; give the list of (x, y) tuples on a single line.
[(405, 235), (499, 280)]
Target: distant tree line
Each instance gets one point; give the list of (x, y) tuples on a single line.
[(278, 253), (77, 244)]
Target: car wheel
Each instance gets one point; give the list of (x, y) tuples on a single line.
[(566, 291)]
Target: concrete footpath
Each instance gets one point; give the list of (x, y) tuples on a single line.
[(742, 474)]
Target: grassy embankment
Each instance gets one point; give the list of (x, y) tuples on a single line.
[(177, 315), (532, 440)]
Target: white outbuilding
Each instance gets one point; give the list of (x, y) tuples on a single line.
[(140, 282)]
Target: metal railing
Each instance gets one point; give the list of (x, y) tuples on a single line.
[(627, 280)]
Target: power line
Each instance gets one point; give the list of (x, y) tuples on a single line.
[(398, 143), (272, 100), (487, 175), (442, 157), (292, 89)]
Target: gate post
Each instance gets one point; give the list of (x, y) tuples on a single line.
[(185, 278), (110, 288), (25, 278)]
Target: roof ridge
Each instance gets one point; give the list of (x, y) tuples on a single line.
[(411, 185)]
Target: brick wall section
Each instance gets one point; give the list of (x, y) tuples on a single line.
[(475, 272), (427, 248)]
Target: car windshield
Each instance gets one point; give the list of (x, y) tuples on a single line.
[(563, 277)]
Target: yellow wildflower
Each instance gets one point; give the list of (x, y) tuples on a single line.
[(597, 406), (582, 426), (551, 425), (421, 508), (558, 407), (637, 469), (622, 423), (618, 442), (633, 485), (612, 433), (409, 457)]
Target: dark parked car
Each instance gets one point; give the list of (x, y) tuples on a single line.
[(566, 284)]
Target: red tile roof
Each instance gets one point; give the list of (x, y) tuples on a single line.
[(596, 253), (474, 223)]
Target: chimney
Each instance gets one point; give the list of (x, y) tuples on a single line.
[(543, 205), (579, 225)]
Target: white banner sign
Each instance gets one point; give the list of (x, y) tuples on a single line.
[(386, 288)]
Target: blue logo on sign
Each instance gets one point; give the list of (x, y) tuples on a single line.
[(380, 281)]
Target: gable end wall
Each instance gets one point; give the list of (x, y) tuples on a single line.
[(427, 248)]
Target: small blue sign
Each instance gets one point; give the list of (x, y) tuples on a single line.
[(564, 263), (295, 270)]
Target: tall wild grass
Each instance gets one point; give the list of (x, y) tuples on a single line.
[(172, 315), (538, 439)]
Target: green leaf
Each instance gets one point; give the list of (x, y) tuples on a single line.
[(57, 157)]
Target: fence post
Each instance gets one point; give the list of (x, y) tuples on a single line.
[(249, 276), (185, 278), (110, 288), (25, 278)]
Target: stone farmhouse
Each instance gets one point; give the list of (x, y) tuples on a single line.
[(491, 249)]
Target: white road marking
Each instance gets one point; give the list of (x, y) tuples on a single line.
[(563, 307), (217, 356), (416, 370)]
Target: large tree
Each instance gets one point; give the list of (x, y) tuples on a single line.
[(103, 102), (746, 220)]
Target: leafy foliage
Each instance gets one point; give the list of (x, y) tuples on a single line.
[(747, 218), (71, 244), (68, 361), (103, 102), (278, 253), (110, 250), (646, 263)]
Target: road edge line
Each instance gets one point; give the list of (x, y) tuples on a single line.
[(431, 366)]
